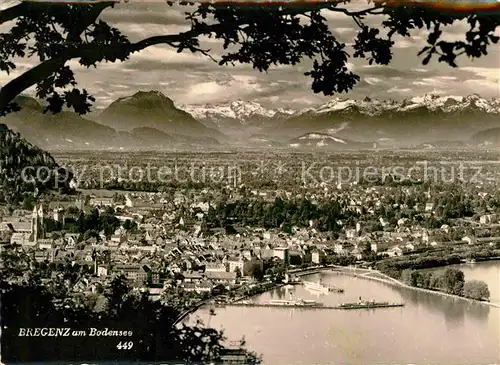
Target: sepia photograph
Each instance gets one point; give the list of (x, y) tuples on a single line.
[(249, 182)]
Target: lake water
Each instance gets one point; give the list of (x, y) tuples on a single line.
[(428, 329)]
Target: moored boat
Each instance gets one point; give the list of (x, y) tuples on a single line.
[(294, 303), (361, 304), (316, 286)]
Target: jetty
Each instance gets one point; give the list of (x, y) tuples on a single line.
[(316, 305)]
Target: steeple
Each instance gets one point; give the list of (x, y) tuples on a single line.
[(428, 193), (37, 223), (33, 219), (34, 224)]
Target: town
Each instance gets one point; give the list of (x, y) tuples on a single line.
[(186, 245)]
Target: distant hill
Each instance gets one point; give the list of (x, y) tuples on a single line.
[(68, 130), (446, 145), (487, 138), (65, 129), (328, 142), (155, 110)]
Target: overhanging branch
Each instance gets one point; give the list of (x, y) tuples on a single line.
[(28, 79), (47, 68), (13, 12)]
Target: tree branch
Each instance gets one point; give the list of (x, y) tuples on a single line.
[(358, 13), (15, 87), (13, 12), (172, 38), (88, 19), (46, 68)]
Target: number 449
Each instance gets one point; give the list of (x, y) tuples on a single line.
[(125, 345)]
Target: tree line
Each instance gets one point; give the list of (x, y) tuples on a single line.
[(451, 281)]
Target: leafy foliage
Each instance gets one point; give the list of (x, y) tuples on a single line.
[(253, 34), (155, 337), (26, 169), (280, 213), (476, 289)]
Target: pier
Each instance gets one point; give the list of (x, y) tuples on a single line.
[(271, 305)]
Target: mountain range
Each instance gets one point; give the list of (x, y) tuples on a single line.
[(413, 121), (151, 120)]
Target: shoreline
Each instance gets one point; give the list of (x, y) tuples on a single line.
[(393, 282), (342, 270)]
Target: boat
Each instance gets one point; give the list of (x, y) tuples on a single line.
[(361, 304), (471, 261), (282, 302), (295, 303), (316, 286)]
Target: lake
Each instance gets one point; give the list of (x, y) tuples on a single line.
[(428, 329)]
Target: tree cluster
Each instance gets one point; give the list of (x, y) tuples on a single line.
[(280, 213), (450, 281), (154, 335)]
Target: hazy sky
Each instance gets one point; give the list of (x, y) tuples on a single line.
[(194, 79)]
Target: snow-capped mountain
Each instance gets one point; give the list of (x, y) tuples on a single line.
[(239, 112), (417, 119), (413, 120), (245, 111), (432, 102)]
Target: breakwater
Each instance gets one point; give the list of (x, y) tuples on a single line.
[(271, 305)]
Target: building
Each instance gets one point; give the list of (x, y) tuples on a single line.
[(282, 253), (102, 270), (488, 219), (244, 265), (137, 273), (342, 248), (379, 246), (19, 238), (317, 257), (356, 252), (101, 202), (224, 278), (395, 251), (45, 244), (215, 267)]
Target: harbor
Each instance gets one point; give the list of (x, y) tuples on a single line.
[(392, 329)]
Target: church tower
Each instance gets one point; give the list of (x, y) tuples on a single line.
[(34, 224), (37, 223), (41, 233)]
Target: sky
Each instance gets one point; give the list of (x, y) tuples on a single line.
[(189, 78)]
